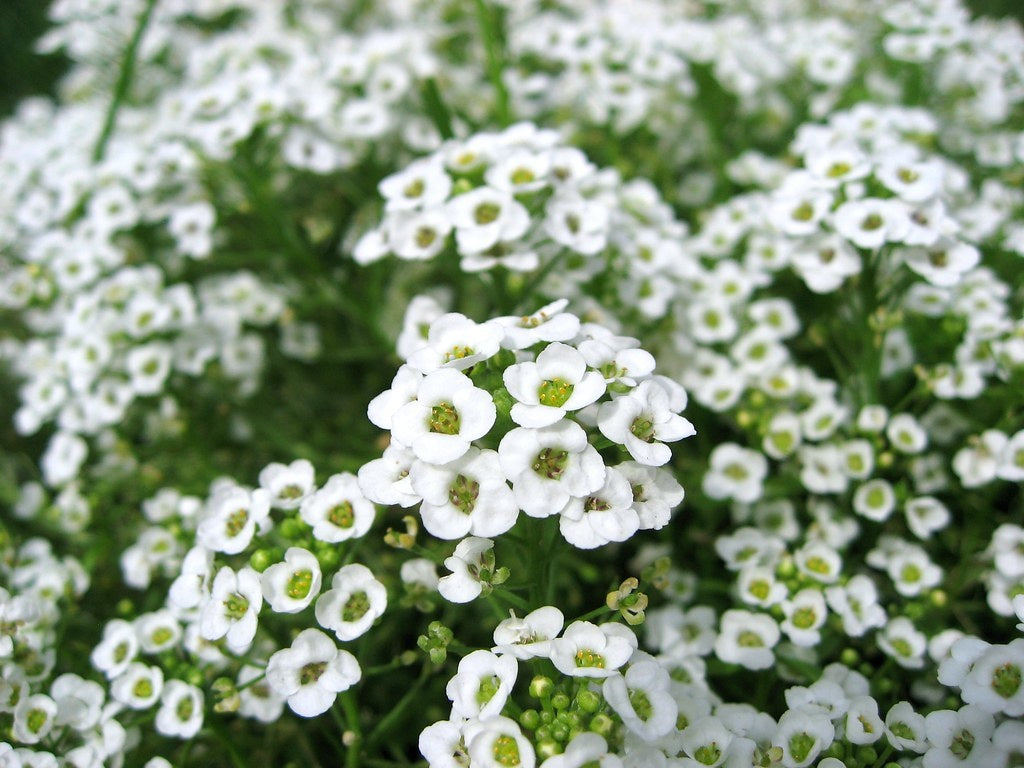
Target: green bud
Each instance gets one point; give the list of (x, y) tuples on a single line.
[(547, 717), (602, 724), (850, 657), (560, 701), (588, 701), (329, 557), (540, 687), (292, 528), (543, 733), (262, 559), (125, 607), (867, 755), (548, 748), (938, 597), (559, 731), (530, 719)]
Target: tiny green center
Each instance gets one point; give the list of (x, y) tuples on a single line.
[(506, 751), (311, 672), (299, 584), (235, 606), (1006, 680), (962, 744), (551, 463), (36, 720), (463, 494), (355, 607), (641, 704), (486, 213), (444, 419), (236, 522), (748, 639), (554, 392), (488, 687), (588, 658), (342, 515), (707, 754), (800, 746)]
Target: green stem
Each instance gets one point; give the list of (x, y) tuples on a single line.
[(489, 31), (124, 81), (348, 703), (384, 726)]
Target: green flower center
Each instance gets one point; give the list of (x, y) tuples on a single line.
[(458, 352), (902, 647), (355, 607), (236, 522), (1006, 680), (735, 472), (414, 189), (748, 639), (641, 705), (311, 672), (444, 419), (290, 492), (161, 635), (486, 213), (803, 212), (962, 744), (872, 222), (643, 429), (903, 731), (143, 688), (342, 515), (907, 175), (488, 687), (36, 720), (551, 463), (838, 169), (120, 652), (804, 618), (425, 236), (910, 573), (708, 754), (185, 708), (463, 494), (299, 584), (554, 392), (800, 746), (235, 606), (506, 751), (522, 175), (817, 564), (875, 498), (588, 658), (759, 589)]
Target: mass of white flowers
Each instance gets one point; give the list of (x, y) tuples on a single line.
[(514, 384)]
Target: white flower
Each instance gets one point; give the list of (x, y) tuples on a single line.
[(978, 463), (157, 631), (138, 687), (386, 480), (856, 603), (641, 698), (802, 735), (549, 466), (589, 650), (354, 601), (447, 414), (586, 749), (994, 683), (874, 500), (422, 184), (925, 515), (64, 456), (289, 484), (34, 718), (603, 516), (465, 496), (232, 609), (871, 222), (960, 738), (484, 217), (442, 744), (181, 710), (901, 641), (530, 636), (256, 698), (906, 434), (863, 725), (556, 383), (577, 223), (311, 673), (463, 584), (116, 650), (339, 511), (79, 701), (805, 614), (942, 263), (641, 420), (905, 728), (735, 473), (1011, 459), (756, 585), (482, 685), (656, 492), (706, 740), (747, 639), (455, 341), (911, 570), (230, 518), (497, 742), (418, 235), (290, 586), (549, 323)]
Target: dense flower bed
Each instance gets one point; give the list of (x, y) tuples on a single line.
[(562, 384)]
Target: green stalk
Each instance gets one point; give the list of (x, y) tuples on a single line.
[(124, 81), (490, 32)]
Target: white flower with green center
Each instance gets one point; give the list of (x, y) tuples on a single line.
[(116, 650), (643, 421), (157, 631), (735, 473), (485, 217), (874, 500), (863, 725), (339, 511), (311, 673), (871, 222), (549, 466), (747, 639), (447, 414), (355, 600), (465, 496), (233, 608), (34, 718), (386, 480), (288, 484), (469, 566), (906, 434), (422, 184), (498, 742), (591, 650), (586, 750), (482, 685), (556, 383), (600, 517), (641, 698), (138, 687), (912, 571), (291, 585), (1011, 459), (181, 710), (856, 603), (455, 341), (903, 643), (905, 728), (418, 235), (960, 739), (805, 613), (757, 585), (618, 359), (229, 519), (577, 223), (79, 701), (530, 636), (803, 733), (656, 492), (995, 682), (549, 323), (706, 740), (442, 744), (824, 261)]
